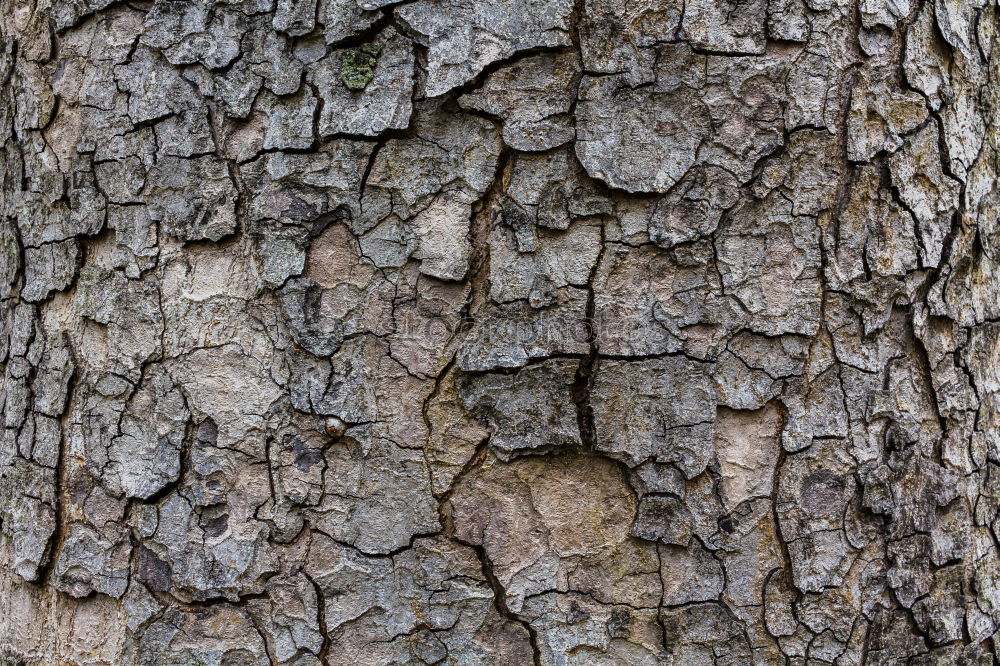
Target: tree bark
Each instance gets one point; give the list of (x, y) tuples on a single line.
[(495, 332)]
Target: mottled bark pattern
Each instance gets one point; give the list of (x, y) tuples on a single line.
[(499, 332)]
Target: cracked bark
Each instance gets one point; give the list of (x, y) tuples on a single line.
[(547, 331)]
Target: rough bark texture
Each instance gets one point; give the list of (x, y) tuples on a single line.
[(499, 332)]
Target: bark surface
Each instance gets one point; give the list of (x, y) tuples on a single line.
[(499, 332)]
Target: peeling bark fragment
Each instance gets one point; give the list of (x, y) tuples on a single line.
[(883, 12), (207, 547), (691, 212), (689, 575), (773, 271), (787, 20), (377, 494), (620, 37), (879, 116), (534, 97), (811, 504), (647, 302), (575, 626), (381, 102), (555, 260), (267, 55), (510, 335), (318, 332), (930, 195), (209, 215), (219, 634), (11, 265), (287, 619), (636, 419), (430, 316), (725, 26), (956, 21), (696, 633), (429, 603), (90, 561), (462, 41), (340, 19), (29, 520), (645, 139), (295, 17), (514, 405), (301, 188), (193, 32), (464, 150), (663, 519), (37, 371), (548, 190), (289, 121), (746, 444), (233, 389), (926, 60), (524, 515), (51, 267), (876, 238), (145, 457)]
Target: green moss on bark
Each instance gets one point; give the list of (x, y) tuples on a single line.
[(357, 67)]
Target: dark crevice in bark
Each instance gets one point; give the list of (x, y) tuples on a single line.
[(500, 602)]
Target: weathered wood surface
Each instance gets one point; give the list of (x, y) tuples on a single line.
[(499, 331)]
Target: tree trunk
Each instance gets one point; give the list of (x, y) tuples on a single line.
[(483, 332)]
